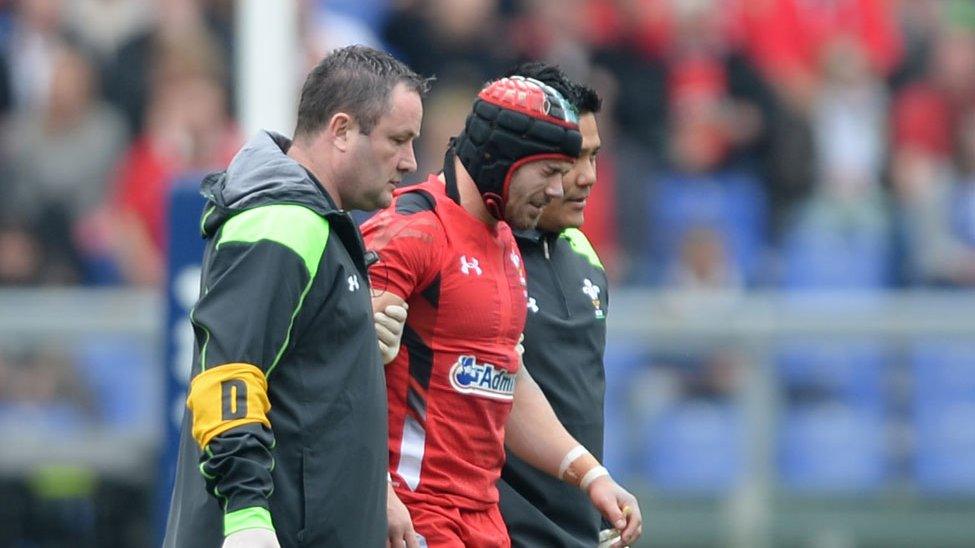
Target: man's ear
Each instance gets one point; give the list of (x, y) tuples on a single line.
[(340, 127)]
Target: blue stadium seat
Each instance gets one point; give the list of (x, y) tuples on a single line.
[(696, 448), (623, 362), (61, 417), (944, 416), (732, 203), (819, 256), (832, 434), (944, 370), (833, 447), (124, 379), (371, 12), (851, 372)]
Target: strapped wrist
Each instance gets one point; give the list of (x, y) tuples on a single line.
[(576, 464), (254, 517), (591, 476), (568, 459)]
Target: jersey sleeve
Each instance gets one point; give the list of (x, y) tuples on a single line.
[(258, 273), (409, 250)]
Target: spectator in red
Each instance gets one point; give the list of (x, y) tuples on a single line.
[(188, 128), (786, 38), (925, 111)]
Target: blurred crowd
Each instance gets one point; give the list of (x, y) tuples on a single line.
[(825, 144), (785, 144)]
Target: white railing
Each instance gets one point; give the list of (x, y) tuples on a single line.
[(756, 513), (57, 322)]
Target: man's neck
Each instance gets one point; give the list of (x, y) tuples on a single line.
[(546, 229), (470, 197), (299, 153)]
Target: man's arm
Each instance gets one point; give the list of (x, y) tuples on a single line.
[(260, 270), (534, 434)]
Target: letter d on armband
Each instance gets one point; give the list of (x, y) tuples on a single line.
[(227, 396)]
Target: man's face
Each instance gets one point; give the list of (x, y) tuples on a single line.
[(532, 186), (567, 212), (381, 158)]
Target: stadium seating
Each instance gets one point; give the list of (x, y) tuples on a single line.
[(731, 203), (696, 448), (944, 416), (832, 436)]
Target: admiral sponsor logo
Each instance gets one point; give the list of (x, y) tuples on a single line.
[(481, 379)]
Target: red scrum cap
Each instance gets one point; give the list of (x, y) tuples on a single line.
[(515, 121)]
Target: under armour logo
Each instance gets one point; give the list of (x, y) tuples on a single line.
[(353, 282), (532, 305), (590, 289), (466, 266)]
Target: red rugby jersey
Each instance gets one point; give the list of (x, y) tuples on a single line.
[(450, 389)]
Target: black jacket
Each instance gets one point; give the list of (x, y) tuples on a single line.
[(565, 336), (284, 298)]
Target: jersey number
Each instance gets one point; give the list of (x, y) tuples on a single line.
[(233, 394)]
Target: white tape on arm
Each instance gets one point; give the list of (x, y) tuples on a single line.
[(569, 458), (591, 476)]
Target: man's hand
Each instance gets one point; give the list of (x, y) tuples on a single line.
[(389, 330), (252, 538), (608, 538), (400, 531), (619, 507)]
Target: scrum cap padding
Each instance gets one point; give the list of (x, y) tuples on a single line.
[(515, 121)]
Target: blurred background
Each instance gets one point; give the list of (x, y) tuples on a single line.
[(785, 205)]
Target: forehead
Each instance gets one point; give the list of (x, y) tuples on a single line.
[(532, 172), (405, 110), (589, 131)]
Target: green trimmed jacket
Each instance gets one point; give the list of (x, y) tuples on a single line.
[(284, 320), (565, 338)]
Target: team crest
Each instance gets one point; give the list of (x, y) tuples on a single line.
[(592, 291), (481, 379)]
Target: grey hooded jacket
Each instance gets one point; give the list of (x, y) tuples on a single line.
[(284, 297)]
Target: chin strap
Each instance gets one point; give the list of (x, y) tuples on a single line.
[(449, 174)]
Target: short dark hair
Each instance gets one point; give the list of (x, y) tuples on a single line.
[(583, 97), (354, 79)]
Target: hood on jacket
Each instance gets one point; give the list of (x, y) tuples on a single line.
[(260, 174)]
